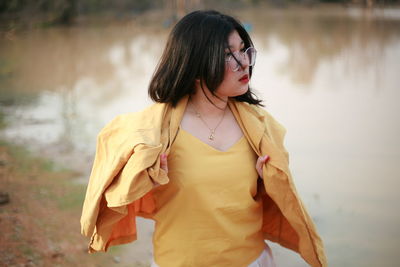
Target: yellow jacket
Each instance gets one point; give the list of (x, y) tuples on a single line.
[(127, 164)]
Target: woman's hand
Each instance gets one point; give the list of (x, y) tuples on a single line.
[(260, 163), (163, 165), (163, 162)]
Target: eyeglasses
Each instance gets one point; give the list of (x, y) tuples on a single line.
[(233, 59)]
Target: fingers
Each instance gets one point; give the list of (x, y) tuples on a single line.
[(260, 163), (261, 160), (163, 162)]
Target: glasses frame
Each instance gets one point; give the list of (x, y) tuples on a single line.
[(239, 56)]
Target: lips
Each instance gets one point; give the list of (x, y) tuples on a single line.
[(244, 78)]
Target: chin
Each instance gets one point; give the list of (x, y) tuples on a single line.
[(241, 91), (234, 92)]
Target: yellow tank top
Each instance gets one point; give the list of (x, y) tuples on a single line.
[(208, 214)]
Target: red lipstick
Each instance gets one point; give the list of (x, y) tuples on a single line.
[(244, 79)]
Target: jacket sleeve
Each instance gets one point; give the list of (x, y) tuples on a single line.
[(111, 154), (286, 220), (119, 186)]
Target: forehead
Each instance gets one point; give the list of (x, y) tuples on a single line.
[(234, 40)]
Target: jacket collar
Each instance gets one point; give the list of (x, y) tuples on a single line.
[(254, 126), (251, 123)]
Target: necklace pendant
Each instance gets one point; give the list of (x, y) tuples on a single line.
[(211, 137)]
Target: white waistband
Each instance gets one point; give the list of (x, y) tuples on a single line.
[(264, 260)]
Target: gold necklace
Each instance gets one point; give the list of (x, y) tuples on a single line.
[(212, 130)]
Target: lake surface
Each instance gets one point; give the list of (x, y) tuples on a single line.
[(330, 76)]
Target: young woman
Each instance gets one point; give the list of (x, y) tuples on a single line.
[(205, 162)]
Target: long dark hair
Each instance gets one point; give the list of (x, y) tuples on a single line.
[(196, 50)]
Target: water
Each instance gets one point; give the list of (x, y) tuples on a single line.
[(331, 76)]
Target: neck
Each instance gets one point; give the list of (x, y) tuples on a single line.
[(208, 104)]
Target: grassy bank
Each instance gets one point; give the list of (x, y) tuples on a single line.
[(40, 224)]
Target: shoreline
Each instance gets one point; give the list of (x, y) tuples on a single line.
[(40, 223), (151, 18)]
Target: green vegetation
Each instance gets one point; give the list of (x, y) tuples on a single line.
[(45, 13), (59, 186), (73, 198), (26, 162), (52, 12), (3, 122), (43, 197)]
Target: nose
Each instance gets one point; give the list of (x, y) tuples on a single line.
[(244, 61)]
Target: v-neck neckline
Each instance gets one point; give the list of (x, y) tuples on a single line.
[(210, 146)]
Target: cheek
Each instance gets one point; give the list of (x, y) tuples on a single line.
[(226, 85), (231, 86), (229, 77)]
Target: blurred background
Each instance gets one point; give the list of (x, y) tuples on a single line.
[(329, 71)]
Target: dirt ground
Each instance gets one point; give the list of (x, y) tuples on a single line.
[(40, 222)]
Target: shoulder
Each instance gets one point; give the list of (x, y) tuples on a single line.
[(272, 125), (273, 128), (130, 126), (269, 120)]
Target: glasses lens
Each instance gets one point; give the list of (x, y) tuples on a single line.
[(233, 64), (251, 56)]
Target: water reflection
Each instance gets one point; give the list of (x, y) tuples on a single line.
[(330, 77), (82, 79), (311, 38)]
